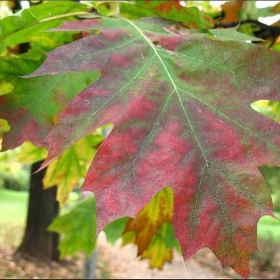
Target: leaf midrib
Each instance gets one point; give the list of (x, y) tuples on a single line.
[(173, 83), (228, 227)]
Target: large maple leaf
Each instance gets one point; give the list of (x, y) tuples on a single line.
[(180, 105)]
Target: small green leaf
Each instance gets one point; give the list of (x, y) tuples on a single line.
[(115, 229), (78, 228)]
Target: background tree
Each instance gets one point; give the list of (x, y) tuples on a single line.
[(38, 242)]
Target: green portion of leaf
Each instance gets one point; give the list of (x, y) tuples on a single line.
[(232, 35), (248, 10), (4, 126), (12, 67), (132, 11), (78, 228), (229, 34), (22, 26), (115, 229), (169, 238)]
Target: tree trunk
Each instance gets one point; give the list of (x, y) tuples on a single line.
[(38, 243)]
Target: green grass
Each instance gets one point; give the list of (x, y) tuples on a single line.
[(269, 228), (13, 206), (13, 209)]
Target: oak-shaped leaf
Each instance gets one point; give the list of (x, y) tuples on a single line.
[(180, 105)]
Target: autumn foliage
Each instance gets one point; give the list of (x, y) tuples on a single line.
[(178, 98)]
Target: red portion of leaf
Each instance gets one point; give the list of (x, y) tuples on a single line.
[(192, 17), (182, 119), (167, 7)]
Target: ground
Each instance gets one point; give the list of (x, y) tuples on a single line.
[(116, 262)]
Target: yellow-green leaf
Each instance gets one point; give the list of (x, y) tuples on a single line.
[(151, 218), (159, 250), (31, 153), (71, 166)]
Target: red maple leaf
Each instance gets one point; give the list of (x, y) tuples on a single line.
[(180, 105)]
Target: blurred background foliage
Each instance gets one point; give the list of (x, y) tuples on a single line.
[(14, 175)]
